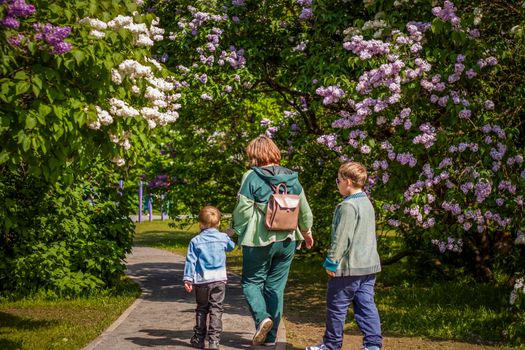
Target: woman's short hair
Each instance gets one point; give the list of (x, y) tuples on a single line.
[(209, 216), (263, 151), (354, 171)]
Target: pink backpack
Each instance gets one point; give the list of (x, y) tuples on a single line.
[(282, 213)]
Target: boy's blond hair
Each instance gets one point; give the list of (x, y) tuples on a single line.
[(263, 151), (209, 216), (354, 171)]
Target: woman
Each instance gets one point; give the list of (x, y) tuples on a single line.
[(267, 255)]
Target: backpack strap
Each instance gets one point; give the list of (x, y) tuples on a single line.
[(276, 188)]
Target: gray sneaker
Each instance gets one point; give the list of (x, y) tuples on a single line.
[(213, 344), (262, 331)]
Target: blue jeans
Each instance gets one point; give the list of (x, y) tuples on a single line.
[(341, 292)]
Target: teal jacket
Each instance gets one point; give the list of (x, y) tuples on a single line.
[(250, 211), (353, 248)]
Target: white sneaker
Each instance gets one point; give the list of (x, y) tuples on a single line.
[(262, 331), (371, 347), (319, 346)]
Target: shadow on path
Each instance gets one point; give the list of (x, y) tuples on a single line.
[(163, 317)]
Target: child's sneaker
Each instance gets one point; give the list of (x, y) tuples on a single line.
[(213, 344), (319, 346), (197, 342), (262, 331), (371, 347)]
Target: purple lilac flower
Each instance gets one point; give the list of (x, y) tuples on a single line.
[(447, 14), (482, 190), (10, 22), (471, 73), (366, 49), (271, 131), (19, 8), (489, 105), (474, 33), (306, 14), (265, 122), (61, 48), (365, 149), (331, 94), (465, 113), (428, 138), (394, 223), (15, 40), (329, 140), (203, 78)]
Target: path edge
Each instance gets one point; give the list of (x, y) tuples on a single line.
[(94, 343)]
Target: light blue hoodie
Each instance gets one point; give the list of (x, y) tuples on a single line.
[(206, 257)]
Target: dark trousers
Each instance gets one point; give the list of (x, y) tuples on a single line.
[(264, 276), (359, 291), (210, 298)]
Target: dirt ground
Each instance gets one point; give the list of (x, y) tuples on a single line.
[(304, 334)]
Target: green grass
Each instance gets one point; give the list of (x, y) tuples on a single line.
[(37, 323), (409, 305)]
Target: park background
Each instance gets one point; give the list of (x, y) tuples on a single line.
[(99, 96)]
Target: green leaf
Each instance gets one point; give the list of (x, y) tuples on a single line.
[(43, 111), (30, 122), (26, 143), (22, 87), (21, 75), (70, 64), (36, 80), (4, 156), (79, 56)]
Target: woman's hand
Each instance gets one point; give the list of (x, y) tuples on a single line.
[(188, 286), (308, 239)]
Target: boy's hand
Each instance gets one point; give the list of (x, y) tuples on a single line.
[(230, 232), (188, 286), (330, 273)]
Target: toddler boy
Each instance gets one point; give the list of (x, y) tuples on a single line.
[(205, 271)]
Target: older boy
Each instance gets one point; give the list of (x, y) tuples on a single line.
[(352, 263), (206, 270)]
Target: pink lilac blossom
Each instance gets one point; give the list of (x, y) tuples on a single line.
[(448, 14), (407, 158), (499, 152), (329, 140), (394, 223), (366, 49), (489, 105), (331, 94), (474, 33), (428, 138), (471, 73), (482, 190)]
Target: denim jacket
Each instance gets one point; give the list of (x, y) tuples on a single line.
[(206, 257)]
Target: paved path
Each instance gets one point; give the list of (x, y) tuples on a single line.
[(163, 317)]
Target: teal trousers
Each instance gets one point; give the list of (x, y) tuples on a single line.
[(264, 275)]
